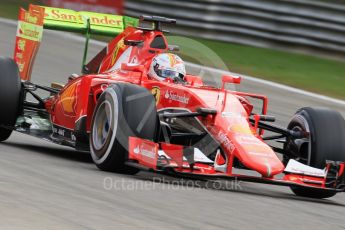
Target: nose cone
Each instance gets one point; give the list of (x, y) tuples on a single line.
[(258, 156), (269, 167)]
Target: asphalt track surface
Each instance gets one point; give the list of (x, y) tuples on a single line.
[(45, 186)]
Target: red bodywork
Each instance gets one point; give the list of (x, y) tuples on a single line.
[(230, 126)]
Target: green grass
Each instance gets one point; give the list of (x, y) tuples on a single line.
[(315, 74), (302, 71), (10, 8)]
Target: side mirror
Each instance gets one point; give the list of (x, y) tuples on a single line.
[(230, 79), (133, 68)]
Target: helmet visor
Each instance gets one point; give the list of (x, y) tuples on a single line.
[(165, 73)]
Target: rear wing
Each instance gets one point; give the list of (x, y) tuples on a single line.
[(32, 22), (86, 22)]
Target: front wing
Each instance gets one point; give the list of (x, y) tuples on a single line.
[(187, 162)]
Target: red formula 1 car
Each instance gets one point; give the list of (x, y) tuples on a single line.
[(129, 122)]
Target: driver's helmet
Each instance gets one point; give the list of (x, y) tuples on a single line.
[(167, 65)]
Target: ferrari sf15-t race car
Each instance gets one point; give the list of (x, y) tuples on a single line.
[(129, 122)]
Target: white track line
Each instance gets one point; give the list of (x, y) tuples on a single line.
[(249, 78)]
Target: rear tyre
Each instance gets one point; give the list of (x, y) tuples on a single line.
[(10, 96), (122, 110), (325, 142)]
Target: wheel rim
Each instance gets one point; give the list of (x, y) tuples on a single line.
[(304, 155), (102, 126), (103, 133)]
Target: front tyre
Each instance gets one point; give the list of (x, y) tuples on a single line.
[(122, 110), (326, 130)]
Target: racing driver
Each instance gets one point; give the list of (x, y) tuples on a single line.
[(167, 65)]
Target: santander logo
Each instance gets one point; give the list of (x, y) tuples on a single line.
[(96, 19), (145, 151), (170, 95)]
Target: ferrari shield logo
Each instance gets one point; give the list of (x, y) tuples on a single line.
[(156, 92)]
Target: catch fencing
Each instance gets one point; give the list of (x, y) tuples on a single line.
[(300, 25)]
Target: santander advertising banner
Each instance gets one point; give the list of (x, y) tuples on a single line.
[(100, 6)]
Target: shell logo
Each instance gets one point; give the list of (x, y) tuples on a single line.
[(241, 129), (119, 47), (68, 98)]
